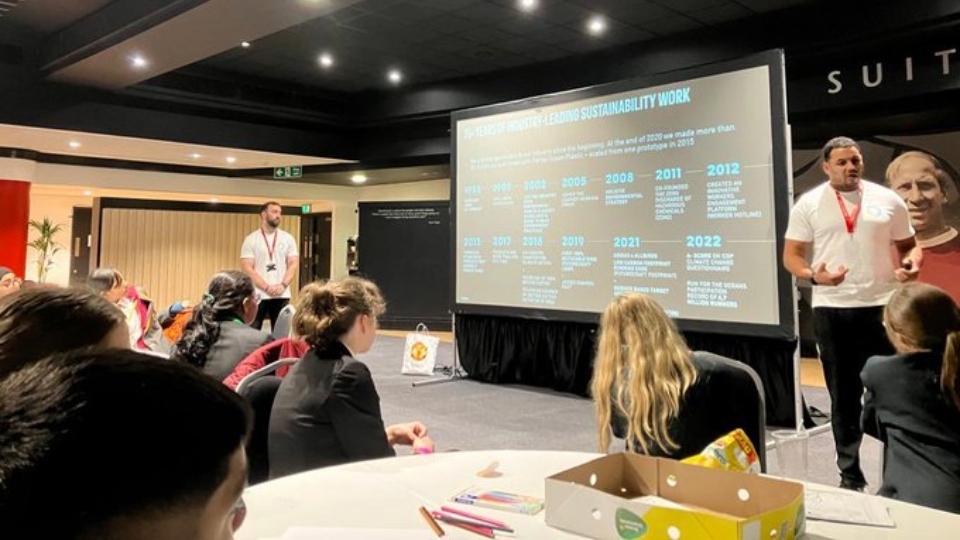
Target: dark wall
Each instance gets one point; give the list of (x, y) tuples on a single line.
[(404, 248)]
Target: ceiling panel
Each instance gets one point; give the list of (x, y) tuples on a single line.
[(48, 16), (434, 40)]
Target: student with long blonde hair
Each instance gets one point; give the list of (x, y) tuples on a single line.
[(912, 399), (664, 399)]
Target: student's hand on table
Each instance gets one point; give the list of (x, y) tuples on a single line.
[(406, 433), (423, 445)]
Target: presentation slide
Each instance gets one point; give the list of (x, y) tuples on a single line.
[(563, 202)]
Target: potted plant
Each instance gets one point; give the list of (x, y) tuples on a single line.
[(45, 244)]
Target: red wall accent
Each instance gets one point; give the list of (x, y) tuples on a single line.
[(14, 215)]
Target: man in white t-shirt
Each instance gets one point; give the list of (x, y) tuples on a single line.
[(270, 257), (845, 228)]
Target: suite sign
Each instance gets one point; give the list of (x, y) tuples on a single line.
[(871, 75), (908, 71)]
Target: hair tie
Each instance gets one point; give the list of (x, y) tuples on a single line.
[(209, 299)]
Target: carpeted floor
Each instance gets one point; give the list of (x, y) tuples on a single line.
[(469, 415)]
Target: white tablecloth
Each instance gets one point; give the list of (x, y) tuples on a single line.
[(387, 493)]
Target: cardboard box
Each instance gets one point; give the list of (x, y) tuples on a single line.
[(596, 500)]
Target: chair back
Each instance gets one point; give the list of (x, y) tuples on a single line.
[(259, 389), (268, 369), (281, 327), (260, 395)]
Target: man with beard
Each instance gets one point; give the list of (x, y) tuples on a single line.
[(920, 179), (844, 228), (270, 257)]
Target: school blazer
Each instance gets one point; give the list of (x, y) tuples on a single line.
[(326, 412), (905, 408)]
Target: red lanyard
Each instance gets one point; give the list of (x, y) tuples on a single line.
[(272, 249), (848, 218)]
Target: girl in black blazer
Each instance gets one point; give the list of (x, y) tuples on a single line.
[(327, 410), (912, 399)]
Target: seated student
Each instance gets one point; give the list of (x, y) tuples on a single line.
[(137, 307), (327, 411), (664, 399), (117, 445), (37, 323), (265, 355), (9, 283), (219, 336), (912, 399)]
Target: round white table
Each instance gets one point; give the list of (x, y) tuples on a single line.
[(387, 493)]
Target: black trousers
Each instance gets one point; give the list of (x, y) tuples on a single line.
[(846, 337), (269, 309)]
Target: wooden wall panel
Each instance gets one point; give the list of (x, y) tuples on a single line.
[(173, 254)]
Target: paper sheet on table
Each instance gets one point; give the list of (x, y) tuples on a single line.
[(318, 533), (846, 507)]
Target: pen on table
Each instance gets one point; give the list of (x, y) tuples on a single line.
[(456, 518), (432, 522), (491, 521)]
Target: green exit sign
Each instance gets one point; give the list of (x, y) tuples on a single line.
[(306, 209), (282, 173)]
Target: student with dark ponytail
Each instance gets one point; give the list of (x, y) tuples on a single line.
[(912, 399), (218, 337)]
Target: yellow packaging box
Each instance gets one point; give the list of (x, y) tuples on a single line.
[(599, 500)]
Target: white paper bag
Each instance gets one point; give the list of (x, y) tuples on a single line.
[(420, 352)]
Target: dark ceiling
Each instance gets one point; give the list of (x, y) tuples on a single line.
[(428, 40), (69, 63)]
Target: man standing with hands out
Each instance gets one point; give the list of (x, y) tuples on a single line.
[(270, 257), (846, 226)]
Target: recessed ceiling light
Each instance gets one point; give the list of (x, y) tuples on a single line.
[(395, 76), (214, 200), (138, 61), (87, 193), (244, 44), (326, 60), (528, 5), (358, 178), (231, 159), (195, 155), (74, 144), (597, 25)]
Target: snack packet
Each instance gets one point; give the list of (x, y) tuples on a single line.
[(733, 452)]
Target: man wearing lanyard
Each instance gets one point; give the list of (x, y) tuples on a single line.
[(846, 226), (269, 256)]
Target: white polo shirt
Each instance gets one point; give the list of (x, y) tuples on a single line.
[(258, 246), (883, 219)]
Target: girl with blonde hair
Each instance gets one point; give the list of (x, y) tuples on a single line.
[(912, 399), (327, 410), (664, 399)]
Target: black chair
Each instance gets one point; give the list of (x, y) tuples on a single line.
[(259, 389)]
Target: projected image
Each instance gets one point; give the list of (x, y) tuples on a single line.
[(665, 190)]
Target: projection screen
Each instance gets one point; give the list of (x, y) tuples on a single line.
[(676, 186)]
